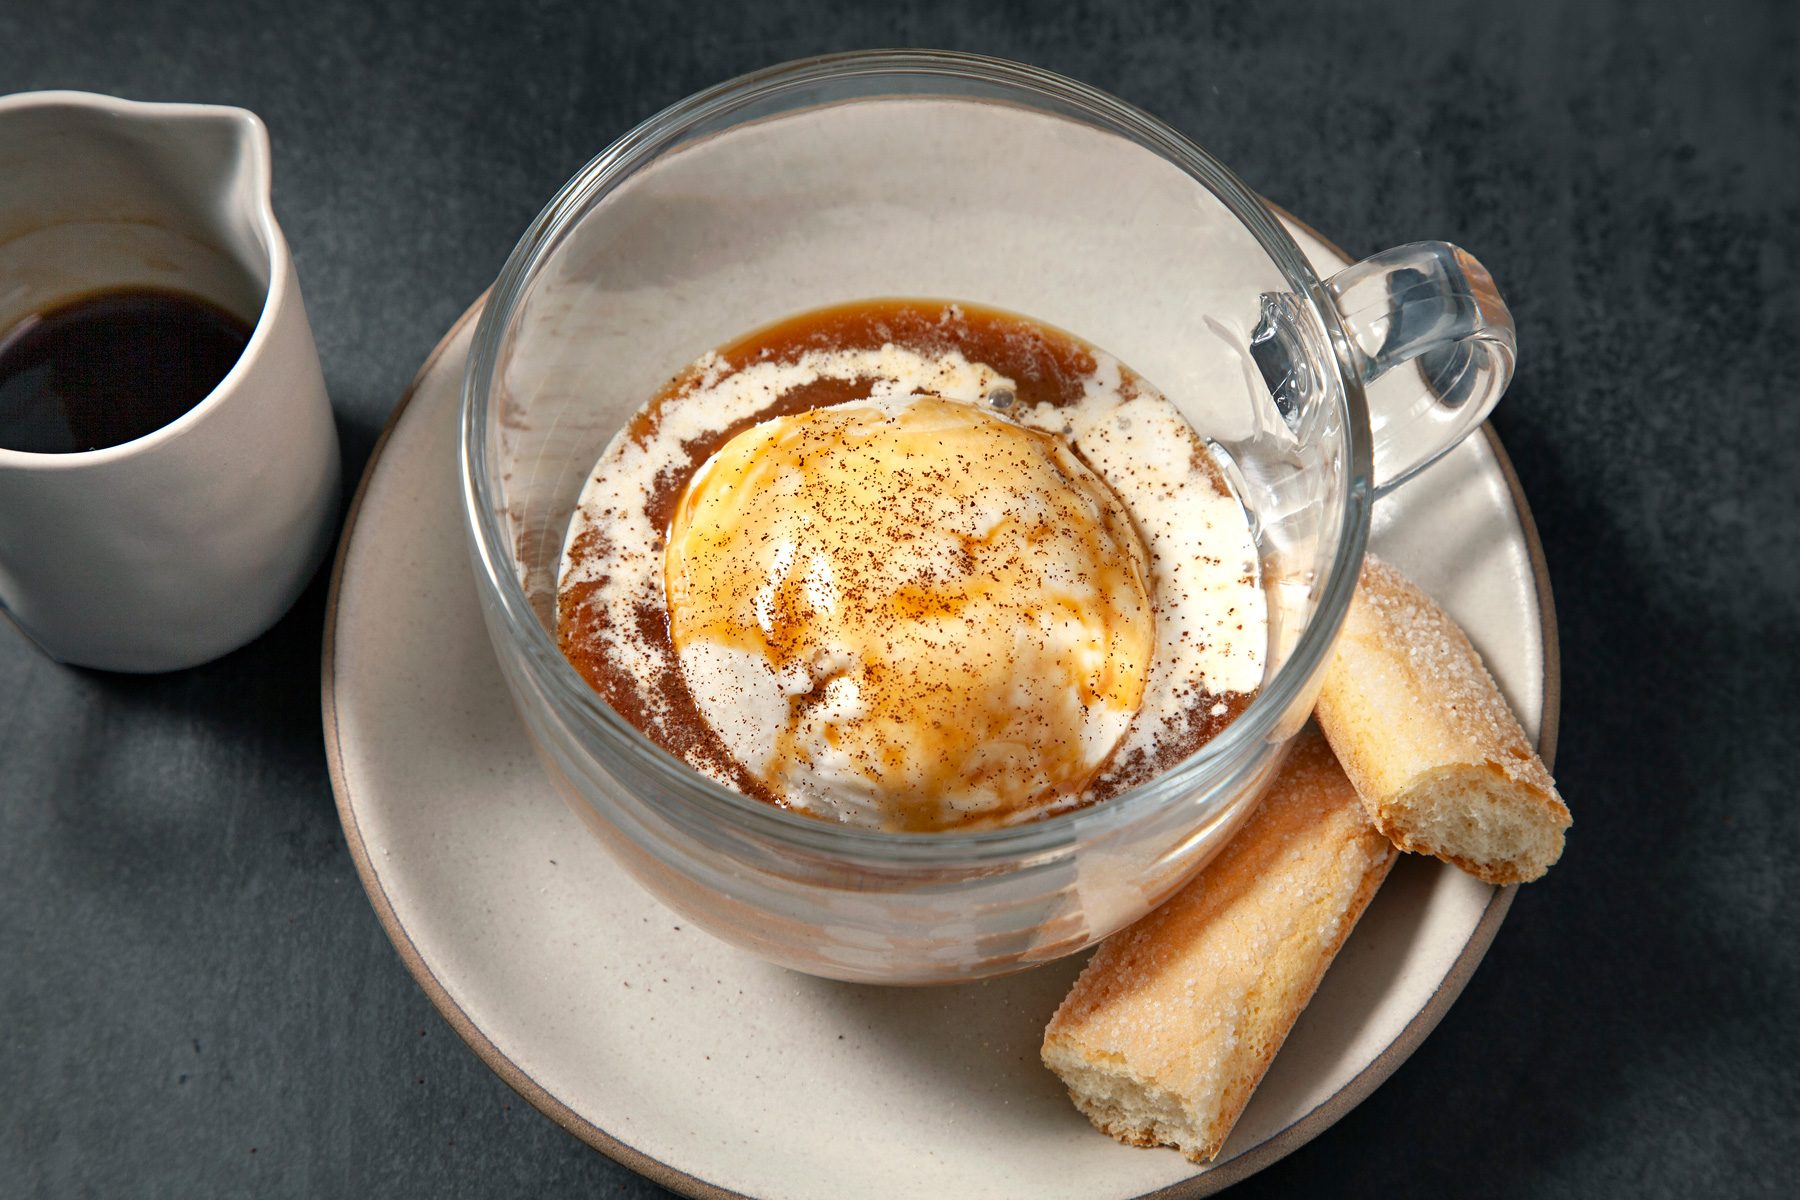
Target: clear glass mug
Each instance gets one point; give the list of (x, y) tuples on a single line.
[(918, 173)]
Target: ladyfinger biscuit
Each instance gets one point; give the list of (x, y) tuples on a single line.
[(1175, 1020), (1435, 753)]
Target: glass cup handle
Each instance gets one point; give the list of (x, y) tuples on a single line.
[(1433, 305)]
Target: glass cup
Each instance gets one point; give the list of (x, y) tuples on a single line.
[(919, 173)]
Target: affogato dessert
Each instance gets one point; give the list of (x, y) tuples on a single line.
[(914, 565)]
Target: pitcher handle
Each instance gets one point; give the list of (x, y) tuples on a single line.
[(1432, 304)]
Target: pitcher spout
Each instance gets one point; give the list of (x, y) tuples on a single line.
[(179, 192)]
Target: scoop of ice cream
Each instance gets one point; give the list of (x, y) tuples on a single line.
[(909, 613)]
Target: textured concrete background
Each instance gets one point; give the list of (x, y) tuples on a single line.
[(195, 998)]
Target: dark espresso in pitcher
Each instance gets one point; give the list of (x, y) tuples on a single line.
[(112, 366)]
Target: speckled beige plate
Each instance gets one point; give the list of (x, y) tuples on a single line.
[(716, 1074)]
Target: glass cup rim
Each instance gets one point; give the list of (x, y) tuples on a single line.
[(559, 680)]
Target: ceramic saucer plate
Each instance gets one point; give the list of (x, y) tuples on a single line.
[(718, 1075)]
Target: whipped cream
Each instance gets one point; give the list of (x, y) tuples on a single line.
[(1211, 615)]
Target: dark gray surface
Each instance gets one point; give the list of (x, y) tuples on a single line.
[(195, 997)]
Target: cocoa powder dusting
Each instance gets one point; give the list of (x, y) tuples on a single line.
[(1046, 367)]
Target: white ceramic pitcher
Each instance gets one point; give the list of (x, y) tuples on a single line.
[(176, 547)]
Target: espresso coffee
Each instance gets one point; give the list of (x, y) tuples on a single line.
[(110, 367)]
